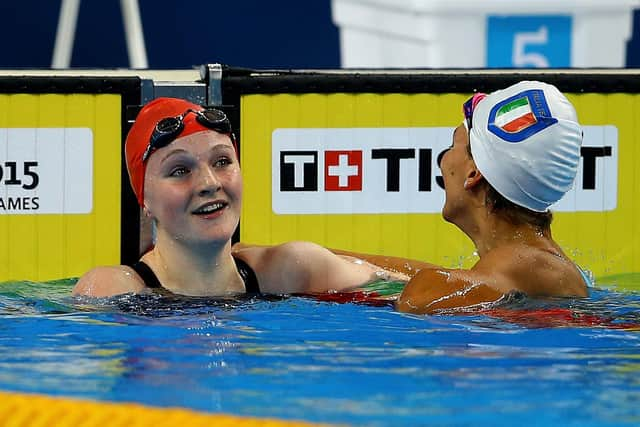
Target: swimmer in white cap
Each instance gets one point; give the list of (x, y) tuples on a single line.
[(515, 155)]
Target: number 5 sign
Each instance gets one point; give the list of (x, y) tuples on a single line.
[(528, 41)]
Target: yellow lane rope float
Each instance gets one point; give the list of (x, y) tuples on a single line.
[(38, 410)]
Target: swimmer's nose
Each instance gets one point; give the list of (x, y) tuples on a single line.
[(208, 182)]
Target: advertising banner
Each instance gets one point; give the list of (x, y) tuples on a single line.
[(359, 171), (59, 207)]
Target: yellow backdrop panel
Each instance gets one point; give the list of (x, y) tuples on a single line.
[(44, 246), (605, 242)]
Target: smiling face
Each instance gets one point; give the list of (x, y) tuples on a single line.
[(456, 165), (193, 188)]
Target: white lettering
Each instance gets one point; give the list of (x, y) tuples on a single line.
[(298, 167)]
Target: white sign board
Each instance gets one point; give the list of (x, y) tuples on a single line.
[(46, 171)]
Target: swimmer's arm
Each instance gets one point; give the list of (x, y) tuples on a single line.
[(108, 281), (401, 265), (405, 266), (436, 289), (305, 267), (326, 271)]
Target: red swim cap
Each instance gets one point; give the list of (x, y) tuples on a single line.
[(140, 135)]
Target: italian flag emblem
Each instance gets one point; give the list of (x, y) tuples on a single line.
[(515, 115)]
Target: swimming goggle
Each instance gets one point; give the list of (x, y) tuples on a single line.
[(168, 129), (467, 109), (469, 106)]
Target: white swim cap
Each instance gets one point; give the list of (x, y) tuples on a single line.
[(526, 140)]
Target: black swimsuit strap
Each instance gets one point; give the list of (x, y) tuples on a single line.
[(248, 275), (146, 274)]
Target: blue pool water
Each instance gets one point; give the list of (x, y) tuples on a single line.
[(552, 362)]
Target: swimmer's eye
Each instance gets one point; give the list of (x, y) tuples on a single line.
[(179, 171), (222, 162)]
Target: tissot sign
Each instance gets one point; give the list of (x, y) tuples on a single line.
[(394, 170)]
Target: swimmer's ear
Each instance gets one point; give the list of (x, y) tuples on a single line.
[(473, 178)]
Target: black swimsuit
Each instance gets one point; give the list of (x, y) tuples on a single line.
[(248, 276)]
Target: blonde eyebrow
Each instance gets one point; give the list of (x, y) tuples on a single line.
[(172, 152), (182, 150)]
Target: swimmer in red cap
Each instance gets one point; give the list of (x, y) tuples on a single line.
[(183, 167)]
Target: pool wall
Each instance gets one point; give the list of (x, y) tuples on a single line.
[(345, 158)]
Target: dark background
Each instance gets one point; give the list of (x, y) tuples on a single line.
[(178, 35)]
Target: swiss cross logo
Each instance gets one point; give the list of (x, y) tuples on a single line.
[(343, 170)]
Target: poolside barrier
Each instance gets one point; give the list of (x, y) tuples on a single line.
[(345, 158)]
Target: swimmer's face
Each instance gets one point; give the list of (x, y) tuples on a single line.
[(193, 188), (454, 165)]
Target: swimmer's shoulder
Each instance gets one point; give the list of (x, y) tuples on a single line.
[(536, 271), (504, 270), (281, 268), (105, 281)]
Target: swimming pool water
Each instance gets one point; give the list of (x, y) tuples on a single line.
[(531, 362)]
